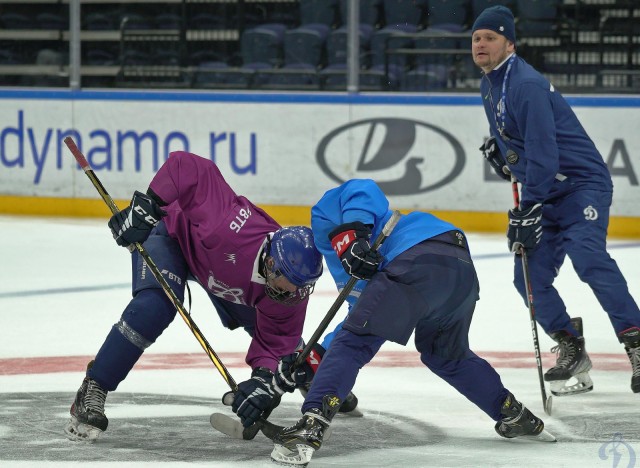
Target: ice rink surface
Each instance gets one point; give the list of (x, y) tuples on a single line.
[(64, 283)]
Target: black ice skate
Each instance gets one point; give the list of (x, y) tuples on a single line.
[(570, 375), (631, 340), (518, 421), (88, 420), (295, 445)]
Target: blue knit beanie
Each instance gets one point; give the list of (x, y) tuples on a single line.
[(499, 19)]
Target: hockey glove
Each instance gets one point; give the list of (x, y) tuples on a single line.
[(254, 396), (492, 154), (525, 228), (134, 223), (351, 243), (288, 379)]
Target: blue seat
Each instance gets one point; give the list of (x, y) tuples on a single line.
[(263, 44), (293, 76), (206, 21), (218, 74), (448, 12), (432, 70), (319, 11), (387, 69), (167, 21), (99, 22), (306, 44), (8, 57), (100, 56), (52, 21), (537, 18), (132, 21), (198, 57), (17, 21), (478, 6), (370, 12), (337, 44), (410, 12)]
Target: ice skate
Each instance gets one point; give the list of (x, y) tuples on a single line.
[(295, 445), (631, 340), (518, 421), (570, 375), (88, 420)]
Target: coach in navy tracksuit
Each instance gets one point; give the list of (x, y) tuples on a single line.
[(566, 193)]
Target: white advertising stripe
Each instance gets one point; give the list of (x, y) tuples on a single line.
[(287, 150)]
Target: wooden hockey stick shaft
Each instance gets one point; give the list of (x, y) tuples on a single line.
[(84, 164), (546, 402), (386, 230)]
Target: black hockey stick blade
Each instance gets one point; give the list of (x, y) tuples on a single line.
[(234, 428)]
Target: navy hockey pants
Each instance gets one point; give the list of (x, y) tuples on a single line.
[(576, 225), (444, 308), (150, 311)]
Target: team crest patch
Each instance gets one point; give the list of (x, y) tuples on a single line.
[(590, 213)]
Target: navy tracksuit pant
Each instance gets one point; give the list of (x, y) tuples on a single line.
[(575, 225)]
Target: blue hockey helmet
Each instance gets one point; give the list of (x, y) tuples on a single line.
[(293, 255)]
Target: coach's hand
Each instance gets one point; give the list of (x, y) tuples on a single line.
[(525, 228)]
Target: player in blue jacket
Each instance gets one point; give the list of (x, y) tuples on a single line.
[(422, 280), (566, 197)]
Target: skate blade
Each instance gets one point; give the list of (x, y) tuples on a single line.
[(79, 432), (579, 383), (544, 436), (285, 457)]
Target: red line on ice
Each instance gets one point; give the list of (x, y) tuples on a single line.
[(402, 359)]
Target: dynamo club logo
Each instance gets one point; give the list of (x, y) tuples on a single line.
[(405, 157), (620, 453)]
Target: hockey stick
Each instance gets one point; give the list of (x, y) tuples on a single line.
[(386, 230), (84, 164), (546, 401)]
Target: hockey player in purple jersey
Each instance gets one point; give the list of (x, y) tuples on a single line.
[(566, 197), (422, 281), (257, 274)]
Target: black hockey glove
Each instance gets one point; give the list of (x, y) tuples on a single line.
[(287, 380), (255, 396), (492, 154), (525, 228), (134, 223), (350, 241)]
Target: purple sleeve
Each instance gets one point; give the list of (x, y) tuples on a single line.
[(189, 179), (277, 333)]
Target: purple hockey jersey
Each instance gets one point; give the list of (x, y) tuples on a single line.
[(221, 235)]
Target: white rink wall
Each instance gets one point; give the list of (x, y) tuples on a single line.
[(287, 149)]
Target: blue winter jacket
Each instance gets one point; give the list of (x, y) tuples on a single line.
[(363, 200), (546, 147)]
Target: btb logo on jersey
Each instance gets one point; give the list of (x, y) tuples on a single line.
[(590, 213)]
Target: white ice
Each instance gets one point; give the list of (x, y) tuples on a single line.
[(63, 283)]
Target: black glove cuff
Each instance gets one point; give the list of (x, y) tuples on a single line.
[(362, 230), (155, 197), (263, 372)]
